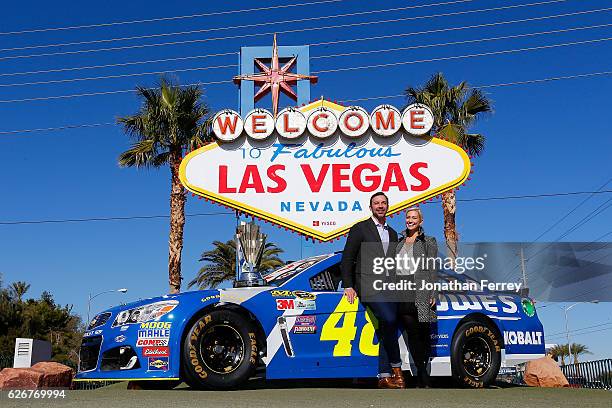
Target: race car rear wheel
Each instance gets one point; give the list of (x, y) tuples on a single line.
[(220, 351), (475, 354)]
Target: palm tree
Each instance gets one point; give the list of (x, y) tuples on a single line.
[(578, 349), (559, 350), (18, 289), (171, 121), (221, 263), (455, 109)]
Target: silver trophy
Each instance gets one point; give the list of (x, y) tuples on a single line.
[(250, 242)]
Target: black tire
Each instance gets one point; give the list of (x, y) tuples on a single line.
[(475, 354), (220, 351)]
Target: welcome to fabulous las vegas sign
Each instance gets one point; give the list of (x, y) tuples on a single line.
[(312, 169)]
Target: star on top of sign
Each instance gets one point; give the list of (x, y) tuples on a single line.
[(275, 78)]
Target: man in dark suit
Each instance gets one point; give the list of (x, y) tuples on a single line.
[(369, 239)]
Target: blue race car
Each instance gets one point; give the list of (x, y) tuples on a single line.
[(299, 325)]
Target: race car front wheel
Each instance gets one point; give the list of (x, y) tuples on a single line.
[(475, 354), (220, 351)]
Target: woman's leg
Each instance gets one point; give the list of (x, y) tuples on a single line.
[(417, 333)]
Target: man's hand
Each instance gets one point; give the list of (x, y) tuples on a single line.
[(350, 295), (432, 303)]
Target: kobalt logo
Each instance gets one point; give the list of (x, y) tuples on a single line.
[(521, 337)]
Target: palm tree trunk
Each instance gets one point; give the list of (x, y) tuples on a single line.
[(449, 207), (177, 224)]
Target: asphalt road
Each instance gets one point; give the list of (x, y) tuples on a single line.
[(349, 395)]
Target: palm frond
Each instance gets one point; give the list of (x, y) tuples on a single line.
[(141, 154)]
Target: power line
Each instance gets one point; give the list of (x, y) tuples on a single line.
[(59, 221), (68, 80), (526, 82), (532, 81), (350, 40), (482, 54), (477, 40), (580, 334), (562, 333), (573, 228), (120, 64), (136, 217), (469, 27), (570, 212), (327, 71), (85, 125), (318, 28), (58, 81), (44, 98), (236, 27), (151, 20)]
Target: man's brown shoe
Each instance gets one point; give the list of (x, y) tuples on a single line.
[(398, 376), (388, 383)]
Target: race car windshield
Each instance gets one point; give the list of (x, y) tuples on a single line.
[(288, 271)]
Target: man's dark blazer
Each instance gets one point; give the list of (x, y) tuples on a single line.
[(356, 261)]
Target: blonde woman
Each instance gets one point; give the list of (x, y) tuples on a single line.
[(418, 312)]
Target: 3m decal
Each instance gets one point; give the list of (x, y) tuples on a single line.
[(285, 304)]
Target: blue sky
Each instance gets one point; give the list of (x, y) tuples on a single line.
[(542, 138)]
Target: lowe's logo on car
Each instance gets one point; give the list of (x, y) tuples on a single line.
[(521, 337), (463, 303), (312, 169)]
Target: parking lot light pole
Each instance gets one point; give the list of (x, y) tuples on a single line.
[(122, 290), (569, 346)]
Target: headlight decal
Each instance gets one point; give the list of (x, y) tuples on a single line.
[(145, 313)]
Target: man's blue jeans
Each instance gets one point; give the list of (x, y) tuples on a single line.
[(389, 354)]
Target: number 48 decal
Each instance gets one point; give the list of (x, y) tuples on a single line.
[(344, 333)]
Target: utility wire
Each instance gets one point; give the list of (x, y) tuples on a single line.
[(67, 80), (318, 28), (120, 64), (136, 217), (482, 54), (597, 211), (350, 40), (236, 27), (85, 125), (575, 330), (570, 212), (477, 40), (326, 71), (554, 225), (59, 221), (526, 82), (151, 20), (56, 81)]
